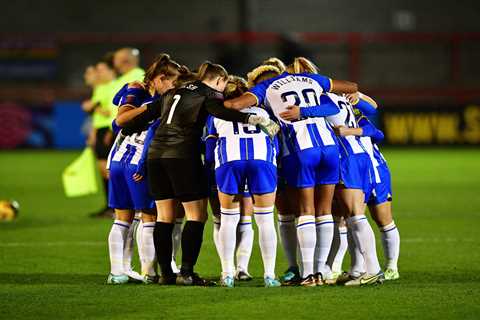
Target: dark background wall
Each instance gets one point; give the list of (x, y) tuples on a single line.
[(267, 15)]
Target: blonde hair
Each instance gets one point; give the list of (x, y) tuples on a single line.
[(236, 86), (261, 73), (209, 71), (302, 65), (274, 61)]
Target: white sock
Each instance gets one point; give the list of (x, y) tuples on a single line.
[(288, 237), (391, 245), (116, 243), (227, 236), (138, 237), (129, 246), (216, 229), (307, 238), (357, 264), (365, 240), (267, 238), (324, 229), (147, 250), (244, 243), (339, 248), (176, 237)]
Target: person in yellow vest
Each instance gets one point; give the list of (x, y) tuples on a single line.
[(103, 112), (126, 62)]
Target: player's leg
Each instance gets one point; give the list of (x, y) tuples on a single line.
[(327, 176), (285, 203), (267, 236), (129, 247), (244, 243), (339, 243), (324, 227), (119, 198), (382, 214), (215, 207), (300, 172), (230, 217), (148, 257), (362, 233), (177, 235), (116, 244), (161, 189)]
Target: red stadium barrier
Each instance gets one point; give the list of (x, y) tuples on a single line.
[(454, 92)]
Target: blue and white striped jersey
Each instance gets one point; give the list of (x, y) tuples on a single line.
[(303, 90), (238, 141), (371, 147), (130, 147), (349, 144)]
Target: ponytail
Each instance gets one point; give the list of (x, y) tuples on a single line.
[(236, 86), (302, 65), (162, 65), (274, 61), (209, 71), (262, 73)]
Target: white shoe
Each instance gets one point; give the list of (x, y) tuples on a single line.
[(175, 269), (134, 275)]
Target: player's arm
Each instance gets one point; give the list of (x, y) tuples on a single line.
[(141, 170), (244, 101), (216, 108), (362, 102), (342, 86), (254, 97), (139, 116), (335, 86), (325, 109)]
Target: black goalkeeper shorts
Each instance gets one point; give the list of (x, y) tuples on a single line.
[(183, 179)]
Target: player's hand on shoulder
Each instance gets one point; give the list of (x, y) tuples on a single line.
[(292, 113)]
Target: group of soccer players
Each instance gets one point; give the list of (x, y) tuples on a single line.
[(288, 138)]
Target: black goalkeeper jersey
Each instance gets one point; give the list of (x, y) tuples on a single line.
[(183, 114)]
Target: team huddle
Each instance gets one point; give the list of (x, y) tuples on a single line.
[(286, 138)]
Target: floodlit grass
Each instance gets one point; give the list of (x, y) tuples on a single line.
[(54, 259)]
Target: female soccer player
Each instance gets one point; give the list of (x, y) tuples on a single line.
[(285, 200), (245, 155), (379, 198), (235, 87), (129, 191), (175, 167), (311, 165)]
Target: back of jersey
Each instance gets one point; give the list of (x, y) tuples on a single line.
[(239, 141), (131, 147), (181, 123), (346, 117), (302, 90)]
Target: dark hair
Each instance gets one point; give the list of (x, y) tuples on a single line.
[(107, 59), (208, 71), (162, 65)]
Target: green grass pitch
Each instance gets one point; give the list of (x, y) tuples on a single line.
[(54, 261)]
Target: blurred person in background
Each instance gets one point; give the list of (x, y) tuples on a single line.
[(101, 109), (126, 63)]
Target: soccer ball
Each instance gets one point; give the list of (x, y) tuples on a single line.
[(8, 210)]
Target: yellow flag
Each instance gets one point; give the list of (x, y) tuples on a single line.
[(80, 177)]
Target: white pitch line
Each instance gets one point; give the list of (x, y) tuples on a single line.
[(104, 243)]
